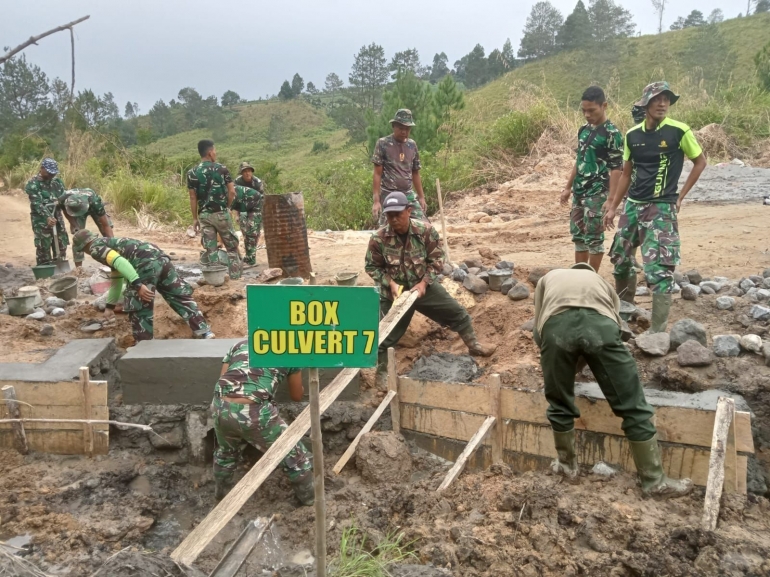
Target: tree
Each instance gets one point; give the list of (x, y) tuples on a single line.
[(285, 93), (406, 61), (230, 98), (576, 31), (297, 85), (439, 68), (678, 24), (471, 69), (749, 4), (660, 7), (23, 90), (161, 120), (762, 61), (609, 20), (368, 75), (508, 58), (332, 86), (539, 38), (694, 18), (92, 110), (311, 89), (447, 100), (762, 6), (131, 110), (716, 16), (60, 96)]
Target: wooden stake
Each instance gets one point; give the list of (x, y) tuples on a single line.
[(395, 408), (20, 437), (459, 465), (88, 431), (723, 423), (443, 222), (366, 428), (318, 475), (494, 410)]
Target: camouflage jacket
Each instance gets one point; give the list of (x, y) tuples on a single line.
[(241, 380), (146, 258), (209, 180), (398, 160), (95, 203), (389, 258), (42, 192), (600, 151), (255, 183), (247, 199)]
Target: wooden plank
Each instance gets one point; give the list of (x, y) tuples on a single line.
[(395, 412), (99, 413), (12, 409), (366, 428), (496, 437), (60, 393), (675, 424), (237, 554), (66, 442), (459, 465), (731, 457), (716, 474), (318, 475), (444, 232), (88, 432), (187, 552)]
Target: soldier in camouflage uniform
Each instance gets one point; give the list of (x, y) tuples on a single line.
[(44, 191), (143, 268), (212, 192), (250, 213), (595, 174), (244, 414), (78, 205), (397, 168), (654, 156), (406, 254)]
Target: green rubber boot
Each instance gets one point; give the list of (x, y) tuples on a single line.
[(221, 488), (566, 463), (304, 489), (661, 305), (626, 288), (649, 467)]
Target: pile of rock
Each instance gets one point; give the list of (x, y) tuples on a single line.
[(474, 276), (755, 288)]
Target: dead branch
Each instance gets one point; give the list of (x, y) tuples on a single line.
[(33, 39)]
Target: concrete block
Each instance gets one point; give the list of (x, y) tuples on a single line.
[(177, 371), (64, 365)]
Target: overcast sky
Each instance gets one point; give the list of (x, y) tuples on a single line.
[(145, 50)]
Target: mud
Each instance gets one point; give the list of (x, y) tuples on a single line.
[(383, 457), (13, 277), (446, 367), (726, 182)]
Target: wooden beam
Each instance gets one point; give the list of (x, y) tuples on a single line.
[(318, 475), (20, 438), (237, 554), (459, 465), (58, 442), (58, 393), (716, 474), (443, 222), (34, 39), (496, 437), (395, 412), (350, 451), (197, 540), (88, 432)]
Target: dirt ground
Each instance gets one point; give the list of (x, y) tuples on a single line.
[(495, 523)]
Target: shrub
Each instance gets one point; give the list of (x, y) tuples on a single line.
[(518, 131), (319, 147), (340, 197)]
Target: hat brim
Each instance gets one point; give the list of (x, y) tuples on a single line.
[(643, 102), (72, 212), (402, 123), (398, 208), (251, 168)]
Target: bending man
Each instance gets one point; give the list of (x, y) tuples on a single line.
[(78, 205)]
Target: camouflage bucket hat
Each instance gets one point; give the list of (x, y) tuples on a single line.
[(403, 116), (50, 165), (652, 90), (244, 165), (76, 204), (82, 238)]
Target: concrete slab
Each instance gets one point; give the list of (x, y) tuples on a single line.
[(706, 400), (64, 365), (177, 371)]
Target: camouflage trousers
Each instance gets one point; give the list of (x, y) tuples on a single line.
[(654, 227), (237, 425), (44, 248), (412, 198), (585, 223), (220, 223), (175, 291), (80, 224), (251, 225)]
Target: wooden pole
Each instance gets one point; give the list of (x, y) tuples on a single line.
[(395, 408), (88, 431), (723, 422), (459, 465), (34, 39), (20, 437), (443, 222), (318, 475), (494, 410), (366, 428)]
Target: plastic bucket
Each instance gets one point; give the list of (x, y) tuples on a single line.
[(626, 310), (295, 280), (26, 291), (19, 306), (215, 275), (497, 277), (43, 270), (65, 288), (346, 278)]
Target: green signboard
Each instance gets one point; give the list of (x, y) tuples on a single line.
[(312, 326)]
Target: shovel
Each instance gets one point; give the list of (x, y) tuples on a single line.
[(62, 265)]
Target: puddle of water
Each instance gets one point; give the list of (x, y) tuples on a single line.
[(169, 527)]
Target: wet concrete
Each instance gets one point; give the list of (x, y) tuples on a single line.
[(446, 367), (729, 183), (706, 400)]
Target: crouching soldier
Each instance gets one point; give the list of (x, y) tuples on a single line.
[(143, 268), (78, 205), (577, 313), (244, 414)]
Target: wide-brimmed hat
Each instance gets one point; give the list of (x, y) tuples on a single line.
[(583, 266), (403, 116), (244, 165), (76, 204), (81, 238), (652, 90)]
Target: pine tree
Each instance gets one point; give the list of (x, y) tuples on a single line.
[(543, 24), (369, 74), (439, 68), (285, 93), (576, 31), (297, 85), (609, 20)]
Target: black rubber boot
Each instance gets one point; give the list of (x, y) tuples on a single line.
[(304, 489), (626, 289)]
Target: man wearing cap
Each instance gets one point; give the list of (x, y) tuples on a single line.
[(577, 314), (44, 190), (143, 268), (78, 205), (397, 168), (248, 204), (406, 254), (654, 155), (212, 191)]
